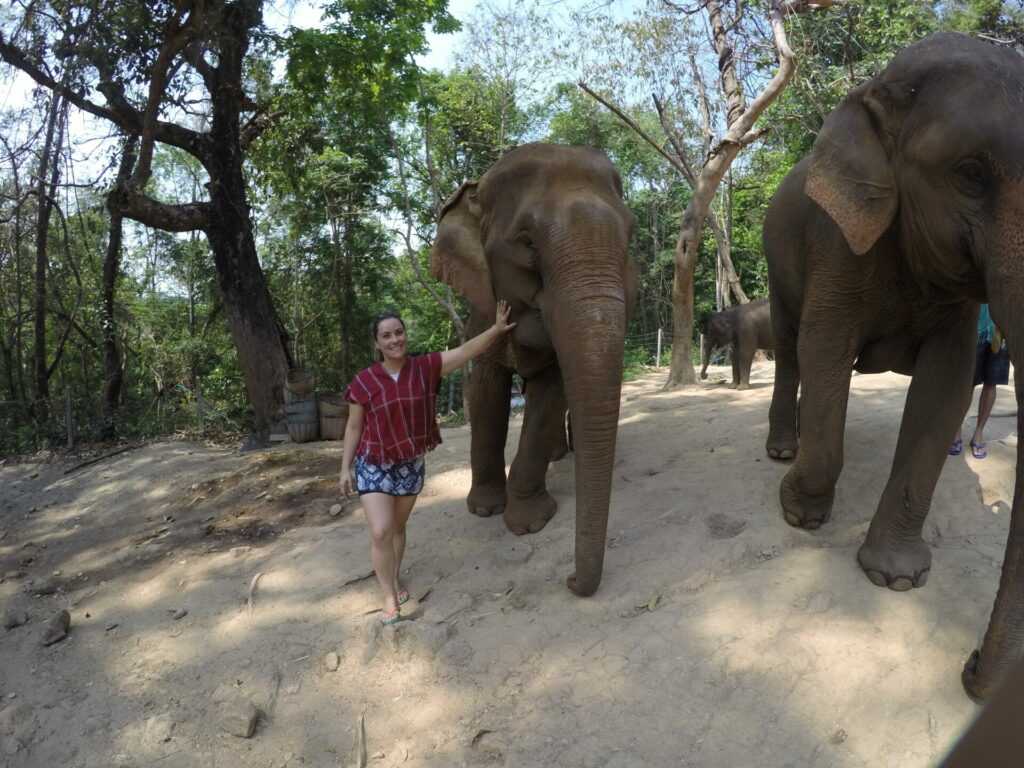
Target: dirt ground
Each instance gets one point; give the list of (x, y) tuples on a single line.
[(203, 583)]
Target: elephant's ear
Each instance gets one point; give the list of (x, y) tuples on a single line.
[(457, 256), (850, 174)]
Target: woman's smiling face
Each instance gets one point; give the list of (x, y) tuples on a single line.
[(391, 340)]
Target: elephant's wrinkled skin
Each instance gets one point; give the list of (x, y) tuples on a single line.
[(748, 327), (907, 213), (546, 230)]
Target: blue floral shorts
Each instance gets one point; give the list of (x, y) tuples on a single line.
[(403, 478)]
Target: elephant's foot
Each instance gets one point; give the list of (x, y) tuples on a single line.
[(802, 509), (486, 500), (743, 385), (529, 514), (781, 446), (899, 569)]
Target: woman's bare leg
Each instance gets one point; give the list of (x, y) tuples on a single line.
[(380, 515), (403, 508)]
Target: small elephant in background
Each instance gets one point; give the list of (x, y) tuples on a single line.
[(748, 327)]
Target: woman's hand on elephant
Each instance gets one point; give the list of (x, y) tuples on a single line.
[(348, 483), (501, 314)]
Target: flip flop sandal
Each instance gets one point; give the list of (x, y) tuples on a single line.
[(390, 617), (957, 448), (978, 450), (403, 596)]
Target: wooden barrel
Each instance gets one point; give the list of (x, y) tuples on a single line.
[(300, 417), (332, 427), (332, 404), (299, 384)]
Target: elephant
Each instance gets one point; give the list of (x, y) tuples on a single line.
[(546, 230), (748, 327), (907, 213)]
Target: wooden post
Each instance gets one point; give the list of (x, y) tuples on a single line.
[(199, 405), (68, 417), (657, 355)]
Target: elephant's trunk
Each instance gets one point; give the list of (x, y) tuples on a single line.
[(706, 358), (1004, 638), (588, 332)]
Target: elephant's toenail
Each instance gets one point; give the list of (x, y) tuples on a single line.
[(901, 584), (922, 578), (877, 578)]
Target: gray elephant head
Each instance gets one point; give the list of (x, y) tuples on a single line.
[(546, 230), (719, 333)]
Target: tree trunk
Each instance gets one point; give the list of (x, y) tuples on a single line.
[(48, 166), (741, 133), (260, 339), (348, 300), (113, 372)]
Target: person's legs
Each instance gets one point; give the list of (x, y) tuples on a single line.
[(981, 355), (403, 508), (995, 371), (986, 400), (380, 510)]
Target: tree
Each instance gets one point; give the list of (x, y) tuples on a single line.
[(739, 119), (113, 368), (741, 132), (329, 166), (150, 61)]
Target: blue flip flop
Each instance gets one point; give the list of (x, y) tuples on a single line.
[(978, 450), (403, 597), (957, 448), (390, 617)]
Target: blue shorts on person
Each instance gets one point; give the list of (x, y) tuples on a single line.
[(991, 368), (403, 478)]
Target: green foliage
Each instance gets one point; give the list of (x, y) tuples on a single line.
[(833, 57), (342, 234), (992, 18), (635, 360)]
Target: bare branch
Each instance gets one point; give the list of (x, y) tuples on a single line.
[(194, 55), (179, 35), (704, 101), (685, 167), (119, 112), (633, 125), (125, 200), (256, 125)]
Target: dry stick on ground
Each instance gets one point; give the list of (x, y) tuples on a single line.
[(361, 740), (99, 458), (252, 592)]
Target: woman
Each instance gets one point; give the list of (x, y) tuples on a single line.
[(390, 426)]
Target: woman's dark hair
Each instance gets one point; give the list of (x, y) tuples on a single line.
[(385, 316)]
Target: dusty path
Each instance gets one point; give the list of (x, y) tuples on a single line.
[(720, 636)]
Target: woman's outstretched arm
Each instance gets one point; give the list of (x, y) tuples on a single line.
[(452, 359)]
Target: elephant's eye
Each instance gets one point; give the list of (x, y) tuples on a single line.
[(972, 176), (525, 239)]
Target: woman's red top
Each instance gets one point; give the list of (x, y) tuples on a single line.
[(399, 422)]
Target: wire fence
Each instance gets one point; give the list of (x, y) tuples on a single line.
[(650, 348)]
